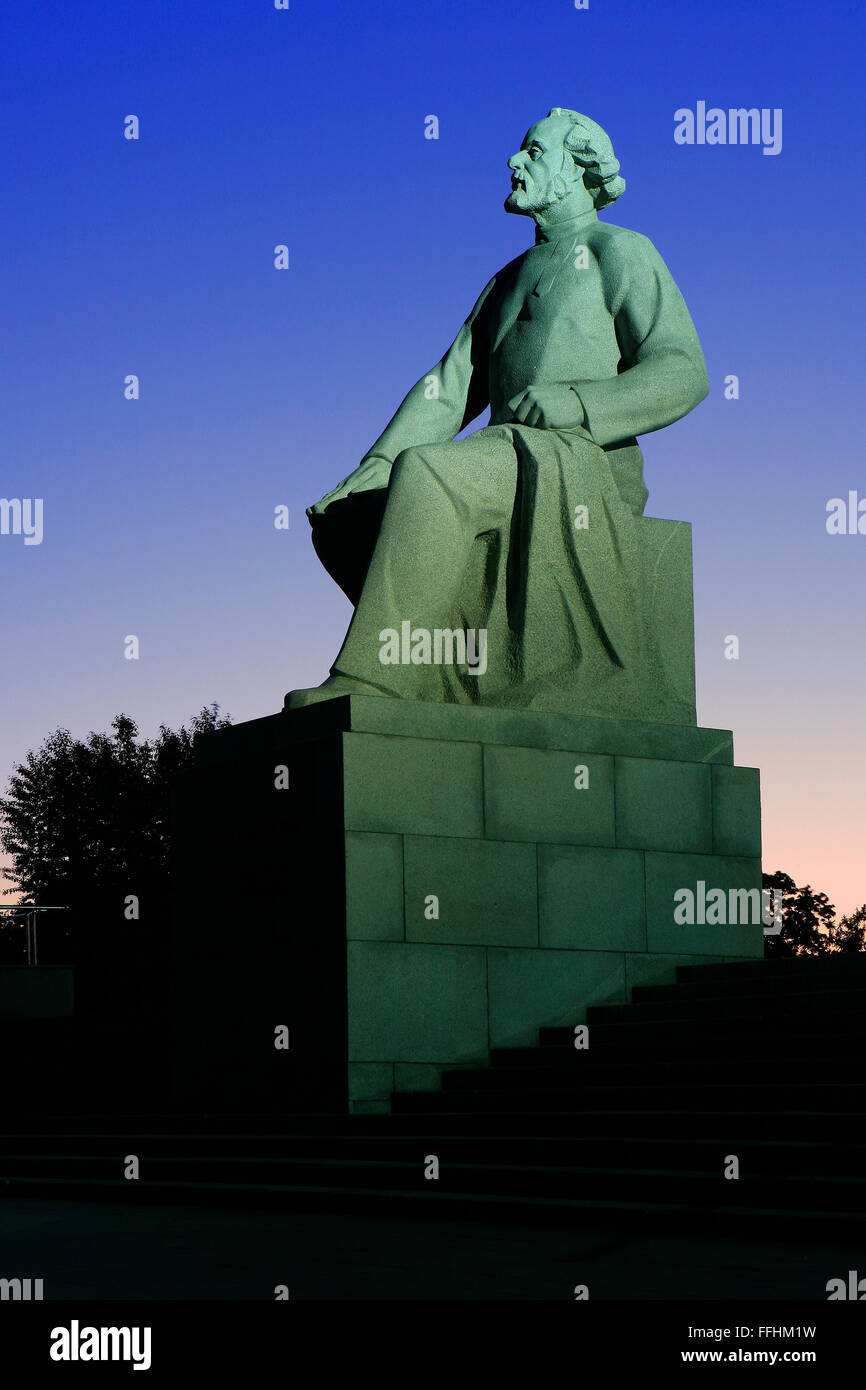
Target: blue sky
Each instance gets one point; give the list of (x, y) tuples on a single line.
[(261, 387)]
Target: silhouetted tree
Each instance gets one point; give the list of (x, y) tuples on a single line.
[(86, 823), (808, 919), (849, 933)]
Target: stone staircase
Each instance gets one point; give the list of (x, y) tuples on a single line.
[(761, 1061)]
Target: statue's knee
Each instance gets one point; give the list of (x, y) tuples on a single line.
[(413, 464), (401, 463)]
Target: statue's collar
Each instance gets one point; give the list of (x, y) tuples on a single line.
[(572, 226)]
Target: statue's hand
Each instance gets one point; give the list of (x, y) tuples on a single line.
[(371, 474), (555, 407)]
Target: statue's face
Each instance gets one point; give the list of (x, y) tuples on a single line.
[(540, 173)]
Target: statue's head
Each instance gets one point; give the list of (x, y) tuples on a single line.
[(566, 159)]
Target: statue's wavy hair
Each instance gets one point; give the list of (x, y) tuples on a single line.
[(591, 148)]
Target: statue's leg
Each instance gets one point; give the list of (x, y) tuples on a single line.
[(344, 537), (440, 498)]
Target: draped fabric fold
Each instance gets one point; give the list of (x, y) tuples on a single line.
[(558, 586)]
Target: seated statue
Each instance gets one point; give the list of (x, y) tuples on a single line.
[(505, 568)]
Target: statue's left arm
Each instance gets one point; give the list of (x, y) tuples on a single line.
[(448, 397), (439, 406), (665, 375)]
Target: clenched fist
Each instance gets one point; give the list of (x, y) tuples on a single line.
[(554, 407)]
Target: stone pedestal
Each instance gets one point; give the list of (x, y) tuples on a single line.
[(433, 882)]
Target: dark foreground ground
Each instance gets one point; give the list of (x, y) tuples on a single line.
[(99, 1251)]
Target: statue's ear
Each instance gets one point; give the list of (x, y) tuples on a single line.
[(577, 173)]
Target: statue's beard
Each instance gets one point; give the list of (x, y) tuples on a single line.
[(532, 202)]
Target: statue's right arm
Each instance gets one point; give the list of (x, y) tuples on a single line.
[(442, 403)]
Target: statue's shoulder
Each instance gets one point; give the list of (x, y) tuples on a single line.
[(625, 260), (617, 246)]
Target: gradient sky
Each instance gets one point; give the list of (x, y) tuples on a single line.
[(261, 387)]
